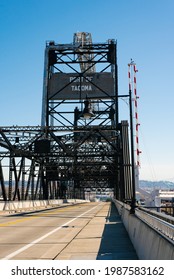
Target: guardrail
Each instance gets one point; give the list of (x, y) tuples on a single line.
[(157, 221), (29, 205), (155, 212), (151, 236), (158, 224)]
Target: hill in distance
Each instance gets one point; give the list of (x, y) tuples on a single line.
[(156, 184)]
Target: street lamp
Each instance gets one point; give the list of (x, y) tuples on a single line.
[(87, 112)]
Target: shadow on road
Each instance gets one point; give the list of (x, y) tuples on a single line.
[(115, 243)]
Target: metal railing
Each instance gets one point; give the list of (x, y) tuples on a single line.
[(157, 221), (164, 228)]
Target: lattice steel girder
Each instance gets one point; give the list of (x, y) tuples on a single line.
[(31, 170), (64, 80), (68, 151), (16, 142), (66, 85)]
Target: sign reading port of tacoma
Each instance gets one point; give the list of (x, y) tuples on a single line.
[(77, 86)]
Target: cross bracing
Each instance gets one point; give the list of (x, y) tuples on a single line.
[(81, 144)]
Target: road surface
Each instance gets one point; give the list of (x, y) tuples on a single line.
[(76, 232)]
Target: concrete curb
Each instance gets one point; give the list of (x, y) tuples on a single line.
[(30, 205), (148, 243)]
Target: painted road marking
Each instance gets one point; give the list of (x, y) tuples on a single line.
[(35, 215), (10, 256), (16, 221)]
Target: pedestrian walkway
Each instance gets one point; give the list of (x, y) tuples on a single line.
[(115, 242), (103, 238)]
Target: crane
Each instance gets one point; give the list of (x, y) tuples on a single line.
[(85, 59), (87, 66)]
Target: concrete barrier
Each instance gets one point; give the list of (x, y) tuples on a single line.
[(19, 206), (148, 243)]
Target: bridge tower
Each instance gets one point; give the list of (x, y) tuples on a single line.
[(80, 95), (81, 144)]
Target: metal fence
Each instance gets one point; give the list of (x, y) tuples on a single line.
[(157, 223)]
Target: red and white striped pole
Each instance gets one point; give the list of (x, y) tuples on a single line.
[(129, 77), (133, 88), (136, 116)]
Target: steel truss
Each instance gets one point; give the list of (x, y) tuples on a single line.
[(69, 154)]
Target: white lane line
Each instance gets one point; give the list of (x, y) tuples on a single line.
[(10, 256)]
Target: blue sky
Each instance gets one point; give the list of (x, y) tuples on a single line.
[(144, 32)]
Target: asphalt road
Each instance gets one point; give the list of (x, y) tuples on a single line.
[(82, 231)]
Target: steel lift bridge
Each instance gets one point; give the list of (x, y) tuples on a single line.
[(81, 144)]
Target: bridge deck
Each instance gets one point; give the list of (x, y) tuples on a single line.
[(87, 231)]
